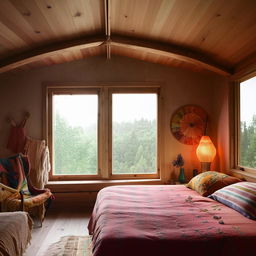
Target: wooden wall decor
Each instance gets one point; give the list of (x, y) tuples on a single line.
[(188, 124)]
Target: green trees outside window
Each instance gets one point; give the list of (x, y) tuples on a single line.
[(248, 123), (75, 133), (248, 144)]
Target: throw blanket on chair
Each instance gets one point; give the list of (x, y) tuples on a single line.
[(39, 159), (22, 195)]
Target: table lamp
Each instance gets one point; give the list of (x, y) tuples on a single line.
[(205, 152)]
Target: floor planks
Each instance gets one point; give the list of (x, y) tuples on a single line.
[(59, 221)]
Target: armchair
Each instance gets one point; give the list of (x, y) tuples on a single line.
[(16, 191)]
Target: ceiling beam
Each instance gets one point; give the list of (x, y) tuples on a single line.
[(163, 49), (108, 18), (245, 69), (107, 27), (172, 51), (51, 50)]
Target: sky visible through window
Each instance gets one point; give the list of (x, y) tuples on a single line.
[(248, 100), (131, 107), (77, 110), (73, 108)]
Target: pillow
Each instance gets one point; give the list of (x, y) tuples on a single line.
[(240, 197), (207, 183)]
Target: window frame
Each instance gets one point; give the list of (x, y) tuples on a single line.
[(112, 91), (235, 130), (104, 91), (70, 91)]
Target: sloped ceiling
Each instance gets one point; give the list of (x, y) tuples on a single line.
[(215, 35)]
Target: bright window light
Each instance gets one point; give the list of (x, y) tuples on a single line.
[(75, 131), (248, 123), (134, 133)]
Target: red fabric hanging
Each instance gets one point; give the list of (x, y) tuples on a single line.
[(17, 139)]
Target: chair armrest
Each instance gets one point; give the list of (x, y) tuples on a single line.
[(9, 189), (6, 191)]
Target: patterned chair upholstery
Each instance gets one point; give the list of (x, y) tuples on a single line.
[(16, 191)]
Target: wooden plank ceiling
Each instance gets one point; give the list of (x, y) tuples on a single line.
[(214, 35)]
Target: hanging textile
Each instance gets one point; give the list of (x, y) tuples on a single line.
[(39, 158), (17, 138)]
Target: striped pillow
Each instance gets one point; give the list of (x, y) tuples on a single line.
[(240, 196)]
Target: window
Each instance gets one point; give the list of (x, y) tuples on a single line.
[(134, 133), (75, 129), (247, 143), (103, 132)]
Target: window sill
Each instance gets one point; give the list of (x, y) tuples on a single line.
[(95, 185), (249, 176)]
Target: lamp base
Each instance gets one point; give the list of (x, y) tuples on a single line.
[(205, 166)]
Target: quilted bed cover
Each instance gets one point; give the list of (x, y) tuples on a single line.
[(159, 220), (15, 233)]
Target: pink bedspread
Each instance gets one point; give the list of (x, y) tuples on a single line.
[(167, 220)]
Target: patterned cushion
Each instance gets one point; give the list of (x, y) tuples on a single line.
[(12, 173), (240, 197), (207, 183)]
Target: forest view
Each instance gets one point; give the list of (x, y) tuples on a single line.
[(248, 144), (75, 148), (134, 134), (248, 123), (134, 148)]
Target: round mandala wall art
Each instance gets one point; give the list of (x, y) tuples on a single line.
[(188, 124)]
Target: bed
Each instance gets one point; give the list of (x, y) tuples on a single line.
[(15, 233), (158, 220)]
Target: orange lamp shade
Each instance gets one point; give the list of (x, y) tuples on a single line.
[(206, 151)]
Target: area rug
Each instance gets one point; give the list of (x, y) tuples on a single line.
[(71, 246)]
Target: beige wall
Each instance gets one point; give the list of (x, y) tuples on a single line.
[(23, 91), (221, 123)]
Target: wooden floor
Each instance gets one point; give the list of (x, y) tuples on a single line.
[(59, 221)]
